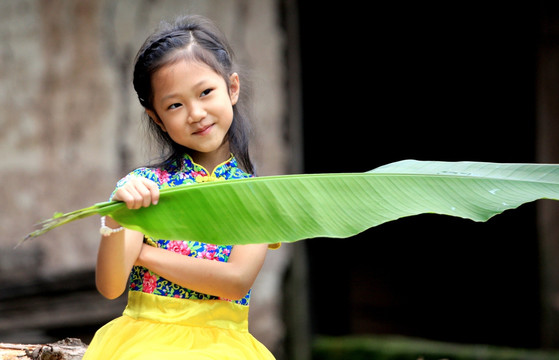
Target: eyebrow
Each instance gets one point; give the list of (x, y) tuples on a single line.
[(172, 95), (169, 96)]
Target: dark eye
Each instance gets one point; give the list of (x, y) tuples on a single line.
[(206, 92), (174, 106)]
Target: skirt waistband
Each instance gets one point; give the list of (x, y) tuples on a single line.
[(204, 313)]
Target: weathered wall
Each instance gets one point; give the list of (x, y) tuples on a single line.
[(71, 124)]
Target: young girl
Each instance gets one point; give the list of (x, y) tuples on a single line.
[(186, 299)]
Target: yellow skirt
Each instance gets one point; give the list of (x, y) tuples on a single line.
[(157, 327)]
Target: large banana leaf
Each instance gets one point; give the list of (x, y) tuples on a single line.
[(294, 207)]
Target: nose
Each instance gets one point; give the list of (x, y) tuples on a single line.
[(196, 112)]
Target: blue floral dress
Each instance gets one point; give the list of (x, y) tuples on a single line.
[(142, 279), (164, 320)]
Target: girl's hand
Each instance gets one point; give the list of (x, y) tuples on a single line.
[(138, 192)]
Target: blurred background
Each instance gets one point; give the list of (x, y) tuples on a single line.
[(342, 87)]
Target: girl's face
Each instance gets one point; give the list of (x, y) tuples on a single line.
[(194, 105)]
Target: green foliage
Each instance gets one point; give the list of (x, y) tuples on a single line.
[(295, 207), (400, 348)]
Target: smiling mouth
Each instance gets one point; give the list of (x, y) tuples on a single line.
[(203, 131)]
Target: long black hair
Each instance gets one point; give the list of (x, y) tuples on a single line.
[(195, 38)]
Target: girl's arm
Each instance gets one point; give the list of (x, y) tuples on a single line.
[(231, 280), (115, 259), (118, 251)]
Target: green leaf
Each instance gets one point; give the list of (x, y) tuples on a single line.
[(295, 207)]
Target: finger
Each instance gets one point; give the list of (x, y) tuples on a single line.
[(132, 194), (133, 198), (141, 192), (147, 190), (154, 191), (124, 195), (137, 193), (143, 198)]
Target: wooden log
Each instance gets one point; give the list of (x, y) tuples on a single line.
[(67, 349), (15, 351)]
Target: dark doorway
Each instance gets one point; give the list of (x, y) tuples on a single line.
[(383, 83)]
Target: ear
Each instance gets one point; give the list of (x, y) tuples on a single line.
[(234, 88), (153, 116)]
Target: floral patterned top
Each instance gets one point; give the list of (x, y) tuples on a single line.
[(142, 279)]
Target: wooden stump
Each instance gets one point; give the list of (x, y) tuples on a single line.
[(67, 349)]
